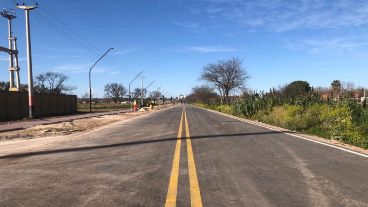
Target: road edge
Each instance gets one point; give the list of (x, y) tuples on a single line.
[(311, 138)]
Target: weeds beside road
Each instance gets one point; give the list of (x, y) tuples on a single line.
[(343, 121)]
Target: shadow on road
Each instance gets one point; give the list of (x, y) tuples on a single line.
[(87, 148)]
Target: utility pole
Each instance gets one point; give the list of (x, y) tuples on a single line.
[(142, 92), (29, 56), (13, 54), (89, 76), (130, 95)]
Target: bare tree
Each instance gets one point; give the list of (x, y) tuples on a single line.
[(52, 82), (4, 86), (115, 91), (85, 95), (155, 94), (225, 76), (137, 92), (203, 93)]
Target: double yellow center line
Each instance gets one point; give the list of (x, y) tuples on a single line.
[(195, 194)]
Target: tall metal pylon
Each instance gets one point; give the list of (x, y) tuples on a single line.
[(14, 79)]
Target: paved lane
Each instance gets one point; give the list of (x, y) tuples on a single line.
[(124, 165), (184, 156), (244, 165)]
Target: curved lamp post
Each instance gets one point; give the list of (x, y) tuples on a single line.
[(90, 87), (130, 95)]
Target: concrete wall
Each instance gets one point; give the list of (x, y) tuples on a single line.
[(14, 105)]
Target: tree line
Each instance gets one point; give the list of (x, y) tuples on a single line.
[(46, 83), (226, 82), (117, 92), (56, 83)]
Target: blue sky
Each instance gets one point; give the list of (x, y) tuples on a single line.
[(171, 40)]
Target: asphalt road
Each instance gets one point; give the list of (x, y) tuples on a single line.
[(182, 157)]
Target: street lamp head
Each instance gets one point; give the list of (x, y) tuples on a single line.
[(8, 13), (25, 7)]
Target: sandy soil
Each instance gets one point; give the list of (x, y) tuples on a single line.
[(76, 126)]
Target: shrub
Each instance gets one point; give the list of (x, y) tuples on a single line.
[(345, 121), (225, 109)]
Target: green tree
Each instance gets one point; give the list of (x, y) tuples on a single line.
[(336, 88), (297, 88)]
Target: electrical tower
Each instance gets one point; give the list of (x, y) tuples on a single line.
[(12, 50)]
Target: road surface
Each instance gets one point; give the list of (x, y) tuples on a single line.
[(183, 156)]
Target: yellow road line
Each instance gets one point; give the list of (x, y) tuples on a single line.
[(195, 193), (173, 184)]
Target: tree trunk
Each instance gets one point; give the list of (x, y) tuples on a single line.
[(221, 95)]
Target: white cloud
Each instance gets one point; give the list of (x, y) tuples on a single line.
[(114, 73), (212, 49), (126, 51), (192, 26), (77, 68), (281, 16), (4, 59), (336, 45)]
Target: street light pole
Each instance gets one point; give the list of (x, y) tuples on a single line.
[(90, 87), (142, 92), (130, 95), (29, 57), (149, 85)]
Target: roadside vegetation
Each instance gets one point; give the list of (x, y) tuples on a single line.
[(102, 106), (337, 112)]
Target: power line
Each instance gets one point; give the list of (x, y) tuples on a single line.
[(46, 11), (63, 33), (58, 26), (70, 35)]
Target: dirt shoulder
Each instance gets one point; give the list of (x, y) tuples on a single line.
[(73, 127)]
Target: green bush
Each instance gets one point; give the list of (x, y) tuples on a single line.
[(225, 109), (345, 121)]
